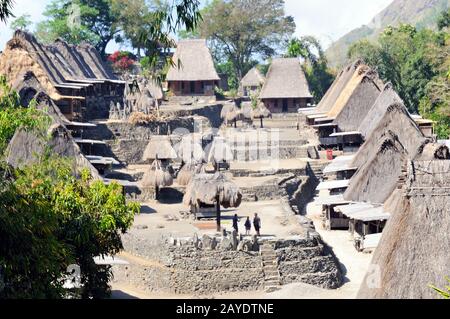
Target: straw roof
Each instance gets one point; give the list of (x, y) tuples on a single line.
[(230, 112), (285, 79), (377, 178), (193, 62), (26, 147), (188, 171), (219, 151), (359, 103), (397, 121), (387, 97), (157, 176), (338, 85), (190, 149), (56, 65), (347, 91), (261, 111), (413, 250), (253, 78), (205, 188), (247, 110), (159, 147)]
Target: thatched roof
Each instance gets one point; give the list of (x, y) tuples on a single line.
[(413, 251), (157, 176), (193, 62), (247, 110), (55, 66), (26, 147), (159, 147), (285, 79), (359, 103), (347, 91), (338, 85), (396, 121), (261, 111), (380, 159), (188, 171), (205, 188), (387, 97), (190, 149), (219, 151), (230, 112), (253, 78)]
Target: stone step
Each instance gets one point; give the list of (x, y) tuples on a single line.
[(272, 281), (271, 275), (269, 263), (271, 268), (269, 257)]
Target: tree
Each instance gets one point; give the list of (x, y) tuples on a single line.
[(444, 20), (316, 69), (241, 31), (22, 23), (50, 220), (417, 63), (5, 9)]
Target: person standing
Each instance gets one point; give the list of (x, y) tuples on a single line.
[(248, 226), (235, 222), (257, 224)]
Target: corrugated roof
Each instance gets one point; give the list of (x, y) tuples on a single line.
[(285, 79)]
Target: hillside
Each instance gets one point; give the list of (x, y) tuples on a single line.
[(420, 13)]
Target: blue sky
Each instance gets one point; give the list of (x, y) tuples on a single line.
[(326, 19)]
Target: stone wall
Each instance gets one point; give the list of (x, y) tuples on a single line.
[(191, 266)]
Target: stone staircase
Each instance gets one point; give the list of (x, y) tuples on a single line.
[(317, 169), (272, 279)]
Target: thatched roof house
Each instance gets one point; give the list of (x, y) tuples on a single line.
[(26, 147), (341, 81), (73, 76), (380, 159), (252, 82), (159, 147), (413, 251), (286, 88), (387, 97), (190, 149), (157, 176), (219, 151), (358, 104), (194, 72)]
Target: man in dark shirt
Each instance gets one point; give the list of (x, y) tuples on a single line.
[(235, 222), (257, 224)]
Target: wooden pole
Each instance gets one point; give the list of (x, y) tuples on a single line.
[(261, 119), (219, 228)]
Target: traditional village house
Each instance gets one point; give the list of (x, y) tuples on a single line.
[(75, 77), (252, 82), (286, 88), (413, 250), (193, 73)]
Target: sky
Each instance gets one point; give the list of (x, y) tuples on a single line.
[(327, 20)]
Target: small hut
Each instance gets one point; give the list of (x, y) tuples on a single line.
[(261, 112), (190, 149), (206, 193), (220, 154), (252, 82), (230, 114), (160, 148), (194, 73), (286, 88), (157, 177), (188, 171), (247, 112)]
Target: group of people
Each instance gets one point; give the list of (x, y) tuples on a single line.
[(248, 224)]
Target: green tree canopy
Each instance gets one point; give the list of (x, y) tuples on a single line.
[(242, 31), (316, 69), (22, 23), (417, 63)]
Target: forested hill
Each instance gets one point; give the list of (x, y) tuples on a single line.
[(420, 13)]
